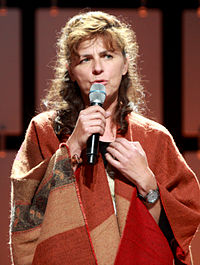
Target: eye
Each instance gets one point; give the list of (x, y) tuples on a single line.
[(108, 56), (84, 60)]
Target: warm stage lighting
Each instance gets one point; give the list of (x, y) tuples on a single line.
[(2, 141), (3, 12), (54, 8), (2, 154), (142, 11), (198, 12), (3, 9), (54, 11)]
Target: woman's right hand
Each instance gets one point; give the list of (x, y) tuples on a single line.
[(90, 120)]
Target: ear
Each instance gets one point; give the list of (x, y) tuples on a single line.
[(70, 72), (125, 66)]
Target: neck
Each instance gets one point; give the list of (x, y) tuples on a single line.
[(110, 105), (110, 131), (111, 128)]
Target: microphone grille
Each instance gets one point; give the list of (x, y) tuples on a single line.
[(97, 93)]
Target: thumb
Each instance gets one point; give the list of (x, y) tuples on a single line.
[(108, 114)]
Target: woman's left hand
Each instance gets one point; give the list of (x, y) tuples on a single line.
[(130, 159)]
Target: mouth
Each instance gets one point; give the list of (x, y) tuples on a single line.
[(101, 81)]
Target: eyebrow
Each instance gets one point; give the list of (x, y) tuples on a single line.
[(100, 53)]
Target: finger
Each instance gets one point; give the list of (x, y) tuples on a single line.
[(123, 142), (116, 153), (99, 109), (118, 145), (138, 146), (94, 119), (135, 145), (95, 129), (91, 115), (96, 115), (115, 163), (96, 108), (108, 114)]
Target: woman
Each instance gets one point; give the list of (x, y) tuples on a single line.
[(139, 204)]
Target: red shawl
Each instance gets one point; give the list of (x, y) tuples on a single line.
[(62, 218)]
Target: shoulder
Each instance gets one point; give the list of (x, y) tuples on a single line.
[(41, 124), (44, 118), (139, 122), (152, 135), (41, 132)]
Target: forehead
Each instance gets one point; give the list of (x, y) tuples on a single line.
[(98, 44), (91, 45)]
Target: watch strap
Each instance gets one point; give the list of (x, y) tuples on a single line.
[(145, 198)]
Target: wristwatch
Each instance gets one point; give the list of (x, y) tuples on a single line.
[(151, 197)]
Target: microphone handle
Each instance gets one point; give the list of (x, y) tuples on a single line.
[(93, 144), (92, 148)]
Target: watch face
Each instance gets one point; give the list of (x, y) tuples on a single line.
[(152, 196)]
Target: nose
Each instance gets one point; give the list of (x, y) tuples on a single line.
[(97, 67)]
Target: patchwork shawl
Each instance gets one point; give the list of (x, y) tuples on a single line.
[(59, 217)]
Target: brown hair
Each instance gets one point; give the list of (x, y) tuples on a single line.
[(64, 95)]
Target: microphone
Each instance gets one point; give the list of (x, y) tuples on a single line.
[(97, 96)]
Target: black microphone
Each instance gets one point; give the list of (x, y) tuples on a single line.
[(97, 96)]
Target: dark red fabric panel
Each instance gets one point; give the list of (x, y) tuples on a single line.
[(142, 241), (95, 194), (68, 248)]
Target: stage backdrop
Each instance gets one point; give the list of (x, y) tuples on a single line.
[(149, 34)]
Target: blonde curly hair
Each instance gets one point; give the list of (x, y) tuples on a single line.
[(64, 95)]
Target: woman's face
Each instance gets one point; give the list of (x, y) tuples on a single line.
[(96, 64)]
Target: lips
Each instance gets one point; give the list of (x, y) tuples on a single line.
[(101, 81)]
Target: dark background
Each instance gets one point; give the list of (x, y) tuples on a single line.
[(172, 76)]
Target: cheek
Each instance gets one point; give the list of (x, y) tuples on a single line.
[(82, 79), (117, 72), (80, 75), (119, 69)]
